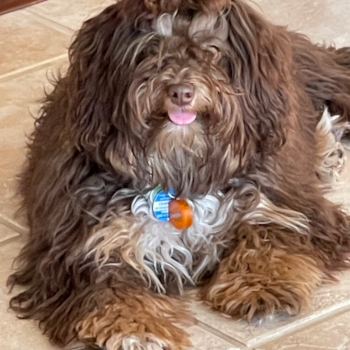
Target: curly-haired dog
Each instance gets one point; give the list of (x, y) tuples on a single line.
[(204, 106)]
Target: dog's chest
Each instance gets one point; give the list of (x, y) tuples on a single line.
[(166, 252)]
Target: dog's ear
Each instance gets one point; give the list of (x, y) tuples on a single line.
[(100, 73), (260, 64)]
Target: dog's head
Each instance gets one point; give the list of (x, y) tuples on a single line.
[(179, 93)]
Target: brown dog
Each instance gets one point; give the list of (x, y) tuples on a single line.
[(199, 105)]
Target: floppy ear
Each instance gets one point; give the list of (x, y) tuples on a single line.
[(260, 65), (100, 72)]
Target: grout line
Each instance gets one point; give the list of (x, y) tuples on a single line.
[(222, 335), (10, 239), (12, 225), (31, 68), (49, 22)]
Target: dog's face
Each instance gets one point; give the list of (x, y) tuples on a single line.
[(177, 76), (182, 102), (183, 83)]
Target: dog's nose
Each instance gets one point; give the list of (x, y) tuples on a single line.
[(181, 95)]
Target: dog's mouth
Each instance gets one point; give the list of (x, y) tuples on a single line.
[(182, 117)]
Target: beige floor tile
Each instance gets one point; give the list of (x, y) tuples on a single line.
[(203, 340), (25, 42), (8, 251), (70, 14), (15, 334), (18, 103), (333, 334), (322, 20), (11, 161)]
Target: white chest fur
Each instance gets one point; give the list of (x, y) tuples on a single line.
[(158, 251), (165, 249)]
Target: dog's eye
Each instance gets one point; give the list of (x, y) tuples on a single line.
[(150, 51)]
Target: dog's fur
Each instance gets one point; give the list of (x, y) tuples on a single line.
[(253, 166)]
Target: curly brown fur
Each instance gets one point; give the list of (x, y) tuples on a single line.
[(123, 312), (249, 164), (269, 270)]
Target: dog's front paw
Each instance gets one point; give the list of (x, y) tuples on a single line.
[(258, 288), (255, 302), (137, 342)]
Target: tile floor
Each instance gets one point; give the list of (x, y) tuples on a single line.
[(33, 43)]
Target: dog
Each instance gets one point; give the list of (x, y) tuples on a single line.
[(190, 144)]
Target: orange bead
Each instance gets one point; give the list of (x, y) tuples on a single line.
[(180, 214)]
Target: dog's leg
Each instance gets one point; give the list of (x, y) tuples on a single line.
[(103, 304), (128, 315), (108, 308), (126, 318), (269, 270)]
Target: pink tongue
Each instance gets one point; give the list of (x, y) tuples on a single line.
[(182, 118)]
